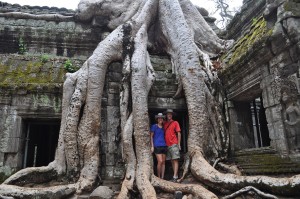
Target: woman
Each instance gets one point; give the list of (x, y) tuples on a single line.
[(158, 144)]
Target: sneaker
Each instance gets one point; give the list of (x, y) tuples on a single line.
[(174, 180)]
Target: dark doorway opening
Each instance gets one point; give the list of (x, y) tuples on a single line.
[(182, 118), (259, 122), (41, 138), (251, 124)]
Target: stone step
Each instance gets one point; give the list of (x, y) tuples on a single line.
[(114, 185), (84, 196), (264, 161)]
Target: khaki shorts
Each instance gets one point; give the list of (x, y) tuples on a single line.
[(173, 152)]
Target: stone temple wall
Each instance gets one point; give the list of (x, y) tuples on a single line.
[(31, 90), (33, 56), (67, 38), (31, 79), (264, 65)]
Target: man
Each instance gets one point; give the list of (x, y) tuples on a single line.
[(173, 138)]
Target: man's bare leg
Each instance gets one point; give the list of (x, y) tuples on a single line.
[(175, 168)]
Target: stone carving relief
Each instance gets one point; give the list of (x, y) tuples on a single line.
[(291, 114)]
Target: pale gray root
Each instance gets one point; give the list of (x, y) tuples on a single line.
[(182, 47), (219, 135), (125, 91), (196, 190), (106, 52), (204, 172), (59, 162), (31, 175), (6, 197), (230, 168), (118, 11), (124, 95), (89, 126), (186, 166), (141, 81), (47, 17), (140, 85), (129, 156), (71, 125), (216, 162), (179, 91), (206, 39), (54, 192), (207, 65), (249, 189)]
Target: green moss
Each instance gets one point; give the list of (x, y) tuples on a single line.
[(30, 73), (267, 163), (258, 33)]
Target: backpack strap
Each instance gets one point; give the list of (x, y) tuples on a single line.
[(169, 125)]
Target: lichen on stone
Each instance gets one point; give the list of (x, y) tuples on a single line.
[(258, 33), (31, 73)]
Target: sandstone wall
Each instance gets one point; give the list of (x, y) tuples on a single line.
[(264, 63)]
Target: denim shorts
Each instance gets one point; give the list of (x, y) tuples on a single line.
[(173, 152)]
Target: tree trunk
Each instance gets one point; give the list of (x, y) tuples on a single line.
[(190, 42)]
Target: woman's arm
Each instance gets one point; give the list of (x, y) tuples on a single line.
[(151, 139)]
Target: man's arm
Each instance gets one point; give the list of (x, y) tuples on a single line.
[(178, 131), (179, 139)]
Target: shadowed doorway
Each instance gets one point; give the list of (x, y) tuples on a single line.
[(41, 139), (182, 118)]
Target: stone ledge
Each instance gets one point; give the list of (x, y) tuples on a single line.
[(265, 161)]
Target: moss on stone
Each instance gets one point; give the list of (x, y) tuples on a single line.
[(30, 72), (264, 162), (258, 34)]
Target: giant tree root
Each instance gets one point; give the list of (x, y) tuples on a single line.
[(189, 45), (32, 175), (204, 172), (45, 193), (196, 190), (248, 189)]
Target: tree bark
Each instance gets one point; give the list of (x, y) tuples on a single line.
[(190, 42)]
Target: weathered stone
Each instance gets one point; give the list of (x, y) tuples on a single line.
[(202, 11), (165, 103), (161, 63), (114, 76), (114, 87), (283, 57), (115, 67), (178, 195), (102, 192), (113, 99)]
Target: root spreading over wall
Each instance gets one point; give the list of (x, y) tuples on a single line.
[(181, 31)]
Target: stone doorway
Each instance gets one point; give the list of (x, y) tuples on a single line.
[(182, 118), (250, 127), (259, 123), (41, 139)]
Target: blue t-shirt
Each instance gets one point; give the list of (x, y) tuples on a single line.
[(158, 136)]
